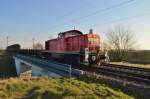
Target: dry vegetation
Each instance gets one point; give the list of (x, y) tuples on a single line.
[(64, 88), (45, 88), (132, 65)]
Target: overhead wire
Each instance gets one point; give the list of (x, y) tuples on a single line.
[(74, 10), (71, 12), (123, 19), (106, 9), (96, 12)]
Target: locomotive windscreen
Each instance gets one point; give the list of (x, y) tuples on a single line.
[(70, 33)]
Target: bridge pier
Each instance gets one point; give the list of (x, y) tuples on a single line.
[(25, 68), (22, 68), (18, 65)]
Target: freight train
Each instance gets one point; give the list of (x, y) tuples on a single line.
[(74, 47), (13, 48), (70, 47)]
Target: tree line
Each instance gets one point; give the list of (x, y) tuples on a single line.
[(121, 44)]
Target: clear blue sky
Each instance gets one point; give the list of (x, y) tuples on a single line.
[(22, 20)]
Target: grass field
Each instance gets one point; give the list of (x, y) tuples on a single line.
[(64, 88), (44, 88), (7, 65)]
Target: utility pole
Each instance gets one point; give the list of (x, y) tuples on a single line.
[(0, 44), (7, 41), (33, 43)]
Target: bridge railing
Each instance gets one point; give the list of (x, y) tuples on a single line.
[(64, 69)]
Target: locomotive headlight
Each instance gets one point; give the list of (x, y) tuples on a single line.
[(93, 58), (86, 54)]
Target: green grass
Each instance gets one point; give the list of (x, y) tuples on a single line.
[(64, 88), (7, 65)]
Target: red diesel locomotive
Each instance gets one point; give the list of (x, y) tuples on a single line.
[(74, 47)]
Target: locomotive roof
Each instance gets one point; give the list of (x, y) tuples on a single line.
[(79, 32)]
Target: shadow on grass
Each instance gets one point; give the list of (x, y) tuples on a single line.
[(138, 92), (7, 65), (39, 93)]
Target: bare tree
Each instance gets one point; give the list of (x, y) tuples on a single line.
[(38, 46), (120, 39)]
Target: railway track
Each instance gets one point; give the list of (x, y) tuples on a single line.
[(137, 75), (124, 67), (134, 74), (128, 76)]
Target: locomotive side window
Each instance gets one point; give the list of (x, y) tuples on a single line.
[(72, 33), (60, 35), (69, 34)]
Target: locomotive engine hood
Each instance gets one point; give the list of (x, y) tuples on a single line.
[(93, 42)]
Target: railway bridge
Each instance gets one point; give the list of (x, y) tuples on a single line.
[(37, 65), (33, 66)]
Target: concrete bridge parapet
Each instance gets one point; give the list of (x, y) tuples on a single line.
[(35, 67)]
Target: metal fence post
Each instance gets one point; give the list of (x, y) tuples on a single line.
[(69, 71)]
